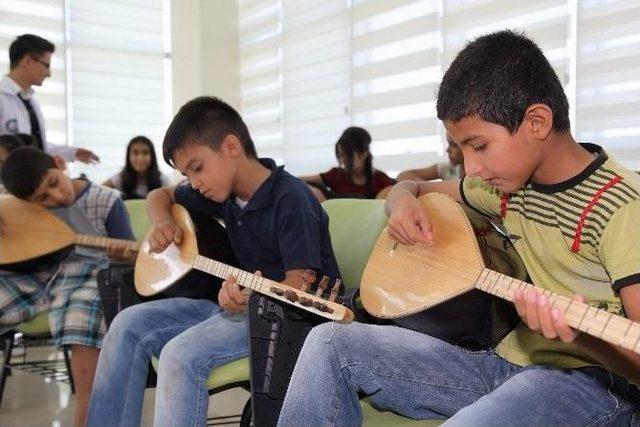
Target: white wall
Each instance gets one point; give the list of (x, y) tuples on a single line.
[(205, 50)]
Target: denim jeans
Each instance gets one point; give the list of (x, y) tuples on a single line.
[(422, 377), (190, 337)]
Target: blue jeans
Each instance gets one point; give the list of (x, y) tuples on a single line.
[(190, 337), (422, 377)]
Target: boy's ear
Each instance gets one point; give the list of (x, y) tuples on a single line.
[(60, 163), (539, 121), (231, 146)]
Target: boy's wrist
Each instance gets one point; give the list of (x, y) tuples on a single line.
[(401, 195), (162, 221)]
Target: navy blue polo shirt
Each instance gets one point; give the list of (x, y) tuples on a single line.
[(281, 228)]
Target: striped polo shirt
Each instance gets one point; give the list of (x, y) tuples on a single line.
[(578, 236)]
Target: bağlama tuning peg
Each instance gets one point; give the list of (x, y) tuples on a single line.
[(308, 279), (322, 286), (335, 290)]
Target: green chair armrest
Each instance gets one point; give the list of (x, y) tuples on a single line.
[(229, 373), (372, 417)]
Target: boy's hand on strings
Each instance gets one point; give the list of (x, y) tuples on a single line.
[(408, 222), (231, 297), (163, 234), (120, 252), (534, 309)]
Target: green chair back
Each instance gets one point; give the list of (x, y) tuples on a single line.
[(138, 216), (354, 226)]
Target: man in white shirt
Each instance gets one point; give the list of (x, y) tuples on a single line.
[(30, 60)]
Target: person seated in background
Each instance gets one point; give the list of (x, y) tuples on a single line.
[(355, 175), (68, 289), (140, 174), (9, 143), (452, 170)]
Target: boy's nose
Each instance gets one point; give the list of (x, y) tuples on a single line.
[(471, 166), (195, 184), (58, 197)]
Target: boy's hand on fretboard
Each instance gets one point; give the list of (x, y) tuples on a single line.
[(534, 309), (231, 297)]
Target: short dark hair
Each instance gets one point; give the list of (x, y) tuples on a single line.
[(28, 44), (11, 142), (23, 170), (356, 139), (498, 76), (206, 120)]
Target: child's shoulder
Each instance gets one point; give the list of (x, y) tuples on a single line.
[(335, 171), (291, 190), (627, 180), (97, 192)]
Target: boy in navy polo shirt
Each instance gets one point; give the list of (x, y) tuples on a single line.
[(275, 226)]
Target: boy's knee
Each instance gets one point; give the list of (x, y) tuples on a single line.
[(337, 333), (175, 355), (124, 320)]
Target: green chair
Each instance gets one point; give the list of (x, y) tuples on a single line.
[(32, 330), (354, 225), (231, 375), (138, 217)]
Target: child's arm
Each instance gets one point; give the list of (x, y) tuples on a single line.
[(408, 222), (164, 228), (425, 174), (234, 299), (314, 179), (536, 312), (108, 183), (118, 226)]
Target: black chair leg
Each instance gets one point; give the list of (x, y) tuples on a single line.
[(67, 362), (246, 419), (5, 370)]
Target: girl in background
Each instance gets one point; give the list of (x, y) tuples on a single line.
[(355, 175), (140, 173)]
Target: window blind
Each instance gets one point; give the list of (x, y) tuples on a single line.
[(316, 81), (396, 69), (399, 51), (117, 59), (608, 77), (261, 74)]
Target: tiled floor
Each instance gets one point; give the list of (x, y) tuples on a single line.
[(31, 400)]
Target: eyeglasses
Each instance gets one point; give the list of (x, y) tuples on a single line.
[(46, 64)]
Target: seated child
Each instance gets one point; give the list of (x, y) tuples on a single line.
[(274, 225), (69, 290), (355, 175), (452, 170), (140, 173), (572, 214)]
